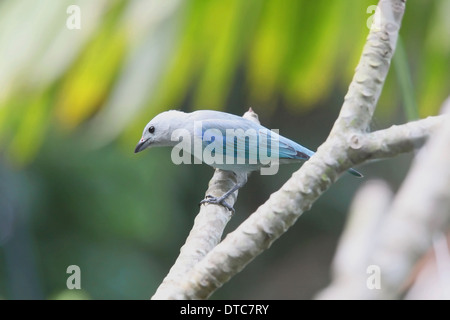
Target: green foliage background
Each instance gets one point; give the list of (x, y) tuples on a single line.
[(73, 104)]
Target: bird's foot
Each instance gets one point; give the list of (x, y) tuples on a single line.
[(217, 200)]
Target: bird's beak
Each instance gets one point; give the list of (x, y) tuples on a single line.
[(141, 145)]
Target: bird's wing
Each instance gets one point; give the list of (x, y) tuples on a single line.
[(248, 141), (234, 137)]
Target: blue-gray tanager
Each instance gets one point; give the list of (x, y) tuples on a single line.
[(223, 141)]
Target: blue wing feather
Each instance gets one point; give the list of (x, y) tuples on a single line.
[(244, 145)]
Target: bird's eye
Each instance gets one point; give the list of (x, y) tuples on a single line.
[(151, 129)]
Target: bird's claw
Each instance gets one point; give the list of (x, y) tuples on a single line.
[(216, 200)]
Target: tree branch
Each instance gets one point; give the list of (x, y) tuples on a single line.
[(394, 140), (419, 211), (356, 244), (370, 74), (406, 227)]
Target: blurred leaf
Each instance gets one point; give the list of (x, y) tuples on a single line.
[(229, 25), (310, 71), (88, 82), (145, 63), (434, 72), (31, 128), (269, 48), (183, 66), (400, 62), (352, 38), (26, 29), (63, 46)]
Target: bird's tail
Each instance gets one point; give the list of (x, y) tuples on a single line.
[(355, 173)]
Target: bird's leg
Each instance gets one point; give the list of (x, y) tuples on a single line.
[(221, 200)]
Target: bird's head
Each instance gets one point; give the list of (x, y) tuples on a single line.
[(158, 131)]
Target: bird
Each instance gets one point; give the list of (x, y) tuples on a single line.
[(224, 141)]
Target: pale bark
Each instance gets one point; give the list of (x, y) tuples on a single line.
[(395, 235)]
